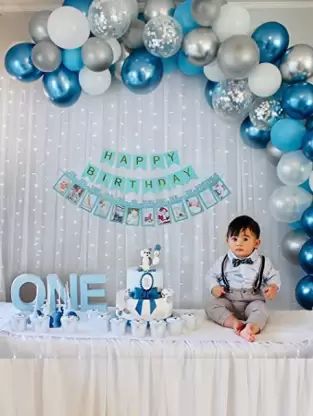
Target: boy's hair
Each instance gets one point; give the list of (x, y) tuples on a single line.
[(242, 223)]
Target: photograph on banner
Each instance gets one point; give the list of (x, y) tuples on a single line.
[(163, 215), (75, 193), (148, 217), (63, 185), (208, 198), (102, 207), (118, 213), (133, 216), (220, 190), (194, 205), (88, 201), (179, 211)]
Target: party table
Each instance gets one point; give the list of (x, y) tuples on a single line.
[(209, 371)]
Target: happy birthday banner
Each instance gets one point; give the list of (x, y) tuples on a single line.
[(147, 213)]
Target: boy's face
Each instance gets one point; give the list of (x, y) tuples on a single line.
[(242, 245)]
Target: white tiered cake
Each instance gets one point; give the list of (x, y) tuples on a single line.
[(144, 299)]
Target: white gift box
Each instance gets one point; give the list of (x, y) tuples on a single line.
[(189, 321), (102, 322), (157, 328), (138, 328), (69, 323), (41, 323), (175, 325), (118, 326), (18, 322)]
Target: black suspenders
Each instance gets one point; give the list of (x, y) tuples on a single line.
[(258, 281)]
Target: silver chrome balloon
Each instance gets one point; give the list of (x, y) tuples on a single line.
[(294, 168), (266, 113), (133, 38), (38, 26), (46, 56), (287, 203), (273, 153), (163, 36), (232, 99), (292, 243), (205, 12), (297, 63), (237, 55), (109, 18), (155, 8), (200, 46), (97, 54)]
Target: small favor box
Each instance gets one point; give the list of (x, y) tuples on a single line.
[(175, 325), (138, 328), (157, 328), (18, 322), (189, 321), (118, 326), (69, 323), (41, 323)]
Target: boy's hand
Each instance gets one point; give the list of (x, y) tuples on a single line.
[(270, 292), (218, 291)]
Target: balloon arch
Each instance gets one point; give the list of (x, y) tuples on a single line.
[(257, 79)]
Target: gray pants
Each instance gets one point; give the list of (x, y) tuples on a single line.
[(244, 304)]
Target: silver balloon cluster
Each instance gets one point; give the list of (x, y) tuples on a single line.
[(155, 8), (205, 12), (297, 63), (163, 36), (200, 46), (232, 99), (266, 113)]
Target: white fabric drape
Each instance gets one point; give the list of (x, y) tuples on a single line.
[(42, 233)]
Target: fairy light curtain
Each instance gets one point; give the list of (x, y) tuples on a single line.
[(43, 233)]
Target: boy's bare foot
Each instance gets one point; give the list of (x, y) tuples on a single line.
[(249, 332), (238, 327)]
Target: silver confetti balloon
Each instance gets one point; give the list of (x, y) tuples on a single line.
[(297, 63), (200, 46), (109, 18), (163, 36), (38, 26), (205, 12), (155, 8), (133, 38), (232, 99), (266, 113), (46, 56), (273, 154), (97, 54), (237, 55), (292, 243)]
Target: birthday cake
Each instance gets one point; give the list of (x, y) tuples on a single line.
[(145, 298)]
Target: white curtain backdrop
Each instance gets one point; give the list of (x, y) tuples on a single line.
[(43, 233)]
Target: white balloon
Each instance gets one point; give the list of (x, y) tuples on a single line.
[(294, 168), (232, 20), (68, 27), (264, 80), (94, 83), (116, 48), (311, 181), (213, 71)]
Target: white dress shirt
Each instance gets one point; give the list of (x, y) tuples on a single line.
[(244, 275)]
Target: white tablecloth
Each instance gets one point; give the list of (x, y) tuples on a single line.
[(209, 371)]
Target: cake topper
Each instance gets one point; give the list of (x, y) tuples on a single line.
[(148, 260)]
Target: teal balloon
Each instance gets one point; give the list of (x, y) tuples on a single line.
[(307, 221), (19, 65), (306, 186), (186, 67), (298, 100), (272, 39), (72, 59), (309, 123), (297, 225), (307, 145), (170, 64), (287, 134), (184, 16), (208, 92), (304, 292), (62, 87), (252, 136), (82, 5), (142, 72), (306, 256)]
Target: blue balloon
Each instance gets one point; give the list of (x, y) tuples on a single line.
[(62, 87), (82, 5), (252, 136), (306, 186), (186, 67), (307, 221), (184, 16), (297, 225), (142, 72), (287, 134), (298, 100), (304, 292), (208, 92), (306, 256), (72, 59), (272, 39), (279, 94), (169, 64), (307, 148), (309, 123), (18, 63)]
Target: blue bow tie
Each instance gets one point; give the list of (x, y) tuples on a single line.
[(237, 262)]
